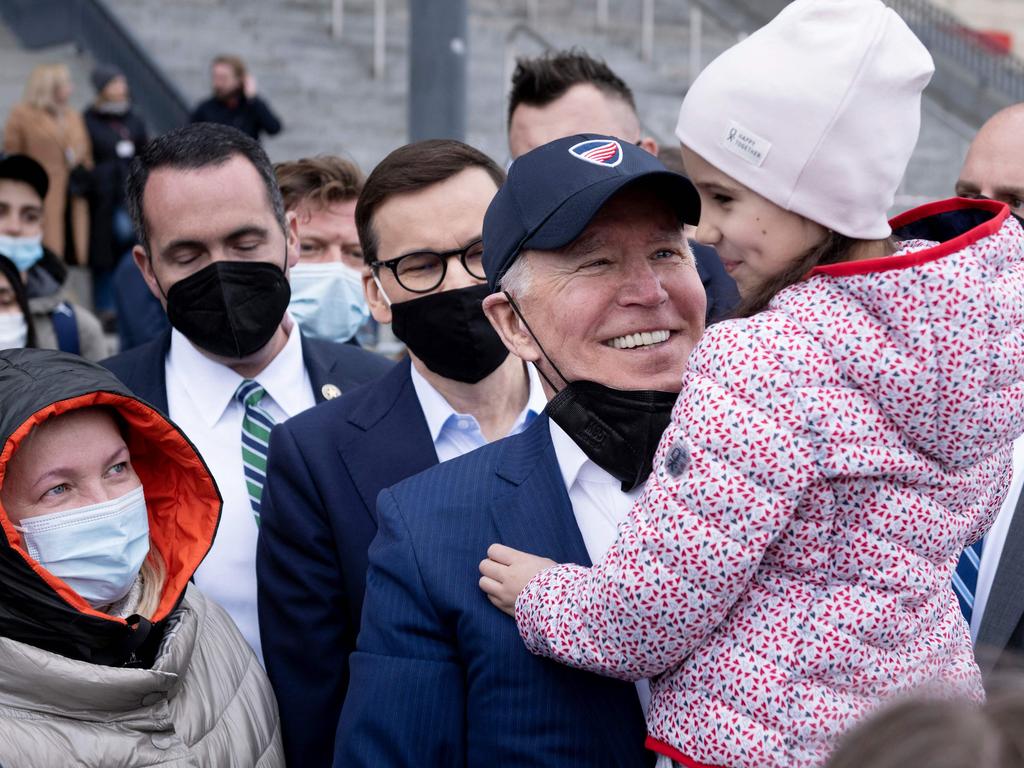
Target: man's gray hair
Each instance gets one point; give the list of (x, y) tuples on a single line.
[(517, 278)]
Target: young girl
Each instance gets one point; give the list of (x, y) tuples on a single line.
[(788, 567)]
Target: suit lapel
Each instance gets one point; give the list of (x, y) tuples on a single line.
[(147, 378), (1005, 604), (390, 440), (320, 369), (535, 515)]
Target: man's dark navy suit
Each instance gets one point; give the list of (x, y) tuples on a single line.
[(346, 366), (1001, 632), (721, 290), (325, 469), (441, 677)]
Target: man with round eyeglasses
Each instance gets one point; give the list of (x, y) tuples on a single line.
[(420, 220)]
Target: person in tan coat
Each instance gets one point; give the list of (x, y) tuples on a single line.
[(46, 128)]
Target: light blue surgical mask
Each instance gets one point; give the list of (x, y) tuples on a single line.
[(23, 251), (327, 300), (96, 550)]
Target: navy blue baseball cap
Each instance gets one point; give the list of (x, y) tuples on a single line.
[(553, 192)]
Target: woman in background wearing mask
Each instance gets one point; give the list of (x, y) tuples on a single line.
[(327, 290), (15, 320), (59, 323), (116, 133), (108, 655)]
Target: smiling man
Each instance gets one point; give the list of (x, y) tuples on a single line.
[(599, 291)]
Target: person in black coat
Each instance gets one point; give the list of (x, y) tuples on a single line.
[(234, 101), (116, 133)]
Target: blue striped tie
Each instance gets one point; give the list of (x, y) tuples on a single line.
[(256, 426), (965, 580)]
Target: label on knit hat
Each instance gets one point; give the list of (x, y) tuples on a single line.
[(746, 144)]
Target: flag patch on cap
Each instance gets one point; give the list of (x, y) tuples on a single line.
[(598, 151)]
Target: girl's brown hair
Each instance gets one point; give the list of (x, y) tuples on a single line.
[(834, 249)]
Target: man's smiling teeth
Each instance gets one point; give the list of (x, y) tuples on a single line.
[(633, 340)]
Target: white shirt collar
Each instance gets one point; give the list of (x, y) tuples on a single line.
[(439, 411), (574, 463), (211, 385)]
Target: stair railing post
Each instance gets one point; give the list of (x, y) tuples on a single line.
[(380, 22), (337, 18), (647, 31), (696, 40)]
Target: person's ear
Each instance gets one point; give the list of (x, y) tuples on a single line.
[(145, 265), (648, 144), (291, 229), (375, 299), (510, 328)]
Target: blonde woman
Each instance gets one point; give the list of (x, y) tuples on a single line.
[(45, 127), (108, 655)]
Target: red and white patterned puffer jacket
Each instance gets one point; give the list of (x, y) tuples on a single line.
[(788, 566)]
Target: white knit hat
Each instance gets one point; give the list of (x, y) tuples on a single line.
[(818, 111)]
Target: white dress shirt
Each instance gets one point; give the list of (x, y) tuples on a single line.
[(599, 504), (996, 538), (200, 398), (457, 433)]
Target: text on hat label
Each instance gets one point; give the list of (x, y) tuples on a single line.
[(746, 144)]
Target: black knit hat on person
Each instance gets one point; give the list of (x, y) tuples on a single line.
[(102, 75)]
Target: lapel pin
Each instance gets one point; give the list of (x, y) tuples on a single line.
[(329, 391)]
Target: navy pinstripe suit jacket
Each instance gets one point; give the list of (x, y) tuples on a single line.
[(440, 676)]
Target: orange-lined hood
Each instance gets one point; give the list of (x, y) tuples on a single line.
[(182, 499)]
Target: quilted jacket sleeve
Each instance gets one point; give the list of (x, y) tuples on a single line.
[(728, 475)]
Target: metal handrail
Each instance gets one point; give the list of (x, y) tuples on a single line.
[(943, 32), (91, 26)]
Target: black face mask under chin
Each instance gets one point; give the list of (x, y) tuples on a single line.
[(619, 430), (230, 308), (450, 333)]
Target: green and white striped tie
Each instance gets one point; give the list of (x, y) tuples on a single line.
[(256, 426)]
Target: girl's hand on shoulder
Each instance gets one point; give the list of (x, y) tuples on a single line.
[(506, 572)]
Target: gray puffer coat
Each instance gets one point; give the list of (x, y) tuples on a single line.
[(205, 702), (80, 687)]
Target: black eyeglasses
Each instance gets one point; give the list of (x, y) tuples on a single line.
[(423, 271)]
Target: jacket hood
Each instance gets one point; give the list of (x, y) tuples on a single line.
[(182, 499), (935, 334)]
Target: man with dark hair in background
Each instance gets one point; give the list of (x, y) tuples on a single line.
[(216, 247), (562, 93), (327, 283), (234, 101), (420, 220)]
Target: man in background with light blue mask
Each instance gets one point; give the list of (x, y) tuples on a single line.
[(59, 323), (327, 291)]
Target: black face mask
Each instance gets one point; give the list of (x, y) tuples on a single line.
[(618, 429), (449, 332), (230, 308)]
